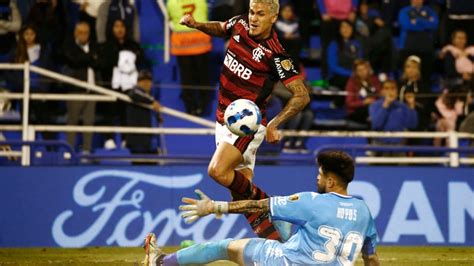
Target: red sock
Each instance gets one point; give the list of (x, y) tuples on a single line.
[(243, 189)]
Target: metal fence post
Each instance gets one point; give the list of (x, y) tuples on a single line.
[(164, 11), (25, 150), (453, 141)]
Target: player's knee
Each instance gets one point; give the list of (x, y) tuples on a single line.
[(236, 250), (217, 172)]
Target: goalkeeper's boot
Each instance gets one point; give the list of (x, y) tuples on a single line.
[(153, 255)]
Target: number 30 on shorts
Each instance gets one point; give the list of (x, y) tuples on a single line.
[(345, 249)]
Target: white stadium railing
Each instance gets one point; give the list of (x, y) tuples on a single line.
[(28, 130), (166, 19)]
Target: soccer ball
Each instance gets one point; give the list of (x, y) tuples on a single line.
[(242, 117)]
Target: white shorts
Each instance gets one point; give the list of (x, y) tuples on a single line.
[(247, 145)]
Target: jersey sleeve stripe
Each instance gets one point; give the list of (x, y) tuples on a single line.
[(271, 206), (286, 81)]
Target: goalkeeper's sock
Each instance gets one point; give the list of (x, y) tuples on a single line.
[(243, 189), (199, 254)]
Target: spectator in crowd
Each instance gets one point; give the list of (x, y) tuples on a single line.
[(418, 24), (411, 85), (81, 62), (24, 7), (5, 104), (88, 11), (388, 11), (6, 148), (287, 28), (342, 53), (120, 58), (30, 49), (410, 99), (457, 60), (301, 121), (138, 116), (371, 27), (467, 124), (411, 79), (389, 114), (333, 12), (305, 12), (50, 18), (362, 90), (113, 10), (10, 24), (191, 48), (116, 53), (464, 93), (460, 16), (449, 106), (424, 119)]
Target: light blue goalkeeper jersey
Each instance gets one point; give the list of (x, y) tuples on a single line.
[(332, 229)]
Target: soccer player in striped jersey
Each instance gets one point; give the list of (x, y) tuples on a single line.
[(254, 62), (333, 227)]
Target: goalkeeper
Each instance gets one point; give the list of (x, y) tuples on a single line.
[(333, 227)]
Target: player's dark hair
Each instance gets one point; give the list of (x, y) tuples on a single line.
[(338, 163)]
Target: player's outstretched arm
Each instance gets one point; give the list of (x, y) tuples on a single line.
[(203, 206), (246, 206), (295, 104), (371, 260), (213, 28)]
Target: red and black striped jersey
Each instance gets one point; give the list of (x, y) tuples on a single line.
[(251, 68)]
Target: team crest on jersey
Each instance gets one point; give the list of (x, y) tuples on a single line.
[(257, 54), (286, 64), (294, 197), (236, 38)]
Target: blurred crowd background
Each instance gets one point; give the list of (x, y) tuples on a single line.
[(370, 65)]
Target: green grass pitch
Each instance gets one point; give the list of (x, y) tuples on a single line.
[(389, 255)]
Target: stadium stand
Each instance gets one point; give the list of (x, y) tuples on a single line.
[(327, 115)]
